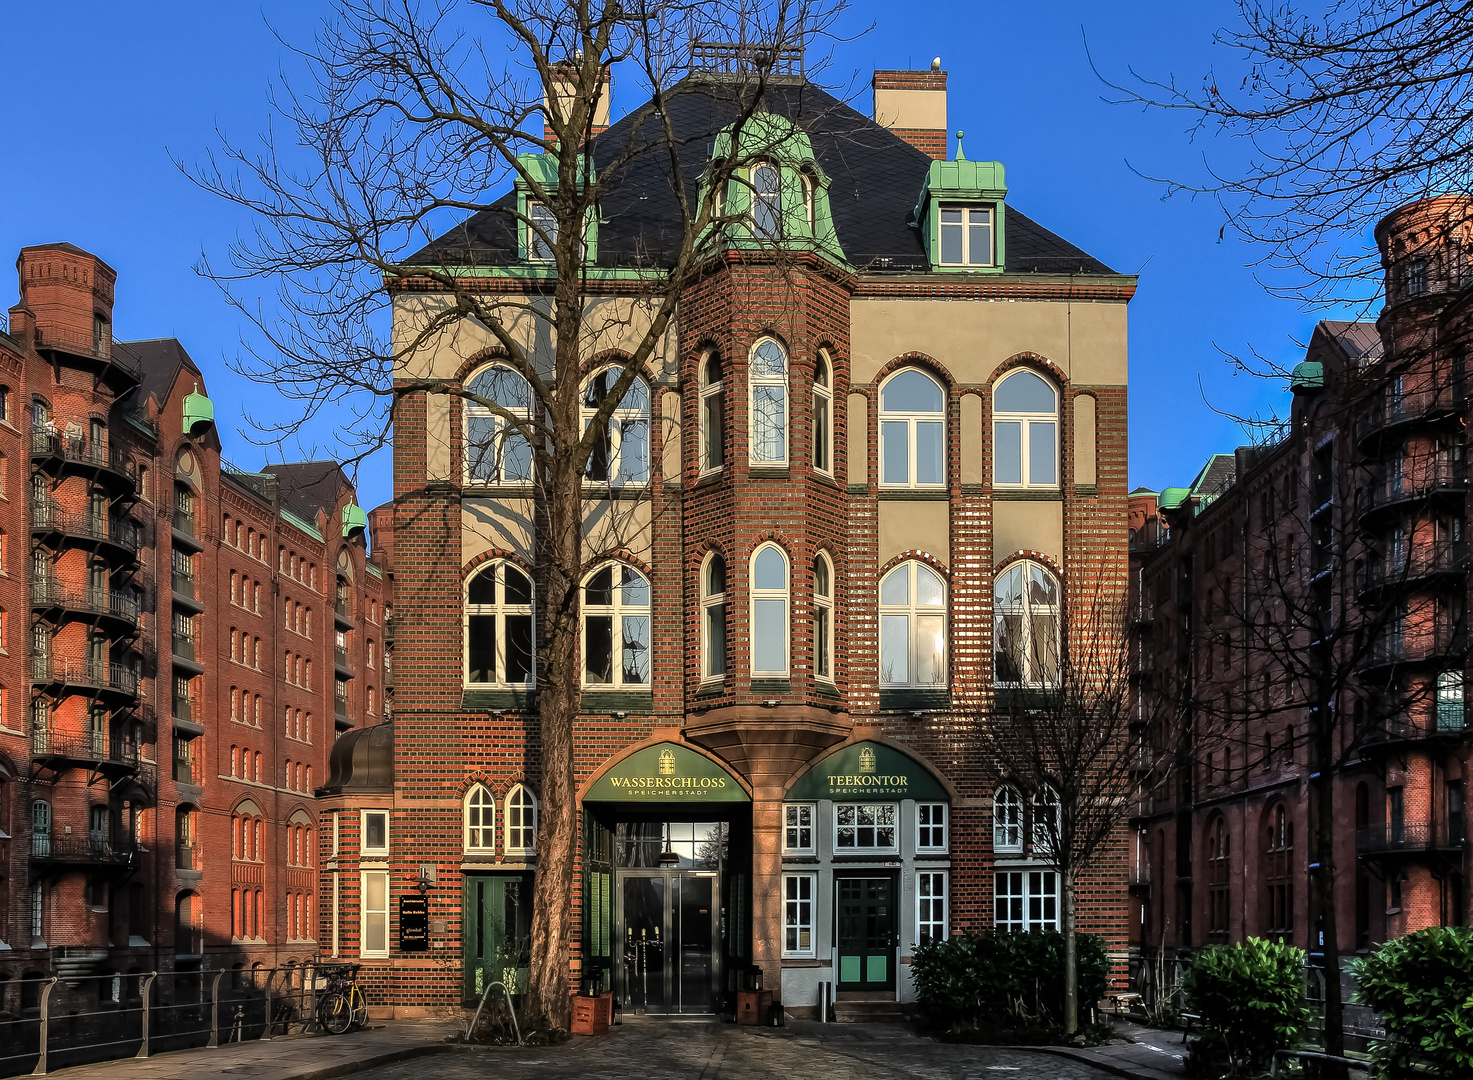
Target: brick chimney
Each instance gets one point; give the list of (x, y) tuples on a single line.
[(566, 73), (69, 294), (913, 105)]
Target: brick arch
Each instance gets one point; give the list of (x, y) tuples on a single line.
[(493, 555), (623, 556), (772, 536), (1036, 361), (497, 786), (916, 555), (488, 355), (777, 336), (921, 360), (1030, 555), (613, 357), (669, 735)]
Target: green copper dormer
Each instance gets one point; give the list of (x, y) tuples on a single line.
[(1173, 497), (543, 167), (355, 521), (199, 413), (779, 195), (1307, 376), (961, 214)]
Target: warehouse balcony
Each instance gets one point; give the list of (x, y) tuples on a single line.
[(78, 455)]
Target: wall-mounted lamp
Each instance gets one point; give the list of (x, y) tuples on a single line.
[(426, 878)]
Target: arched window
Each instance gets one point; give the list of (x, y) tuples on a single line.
[(616, 625), (480, 819), (186, 921), (521, 822), (1048, 823), (912, 627), (810, 192), (1218, 876), (495, 451), (1007, 820), (713, 617), (498, 631), (1025, 609), (622, 454), (767, 375), (823, 415), (823, 617), (1025, 430), (1278, 873), (769, 611), (766, 201), (713, 413), (912, 431)]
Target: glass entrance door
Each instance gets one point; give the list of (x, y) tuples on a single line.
[(496, 941), (866, 932), (667, 923)]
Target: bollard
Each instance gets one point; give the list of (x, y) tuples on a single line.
[(146, 994), (40, 1069), (823, 1003), (214, 1043)]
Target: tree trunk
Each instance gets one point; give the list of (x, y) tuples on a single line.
[(1071, 959)]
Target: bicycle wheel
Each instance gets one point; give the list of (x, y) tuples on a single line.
[(359, 1005), (335, 1014)]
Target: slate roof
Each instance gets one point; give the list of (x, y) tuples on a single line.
[(875, 178), (309, 486), (1358, 340), (157, 361)]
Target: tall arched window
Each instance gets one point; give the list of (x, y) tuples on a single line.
[(498, 627), (713, 413), (1007, 820), (713, 617), (495, 452), (622, 454), (912, 431), (1048, 822), (521, 822), (766, 201), (767, 375), (769, 631), (1278, 873), (823, 415), (1218, 876), (912, 627), (616, 627), (480, 819), (823, 617), (1025, 610), (1025, 430)]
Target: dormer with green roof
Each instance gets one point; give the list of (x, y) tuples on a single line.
[(962, 213), (199, 413)]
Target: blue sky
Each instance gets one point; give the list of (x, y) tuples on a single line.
[(99, 96)]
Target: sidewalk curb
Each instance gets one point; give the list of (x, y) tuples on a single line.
[(1107, 1065), (389, 1057)]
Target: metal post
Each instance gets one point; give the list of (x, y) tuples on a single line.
[(146, 994), (266, 1031), (309, 992), (823, 1002), (214, 1043), (40, 1069)]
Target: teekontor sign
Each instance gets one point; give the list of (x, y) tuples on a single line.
[(867, 770)]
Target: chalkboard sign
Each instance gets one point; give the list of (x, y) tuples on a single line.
[(414, 923)]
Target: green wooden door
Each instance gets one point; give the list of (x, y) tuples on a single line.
[(865, 932), (496, 924)]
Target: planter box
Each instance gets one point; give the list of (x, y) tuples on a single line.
[(753, 1006), (592, 1015)]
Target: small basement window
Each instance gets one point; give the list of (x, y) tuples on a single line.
[(966, 236)]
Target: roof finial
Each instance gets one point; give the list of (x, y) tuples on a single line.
[(960, 154)]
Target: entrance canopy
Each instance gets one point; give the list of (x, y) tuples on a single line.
[(868, 770), (667, 774)]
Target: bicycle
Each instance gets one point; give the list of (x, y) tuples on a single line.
[(343, 1006)]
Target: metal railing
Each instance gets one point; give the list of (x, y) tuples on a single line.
[(1410, 648), (184, 524), (183, 584), (82, 450), (1418, 483), (90, 598), (1445, 392), (340, 658), (744, 57), (47, 515), (82, 849), (1413, 563), (1408, 836), (87, 746), (99, 673), (184, 856), (184, 646)]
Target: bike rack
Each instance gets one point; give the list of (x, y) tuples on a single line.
[(476, 1019), (214, 1043)]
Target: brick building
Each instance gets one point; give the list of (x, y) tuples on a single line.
[(839, 473), (155, 803), (1302, 613)]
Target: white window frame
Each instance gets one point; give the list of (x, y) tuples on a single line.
[(519, 821), (712, 604), (966, 224), (617, 611), (1034, 890), (912, 420), (771, 201), (368, 917), (713, 413), (498, 610), (932, 809), (810, 199), (783, 595), (499, 425), (913, 611), (800, 897), (1024, 613), (892, 811), (769, 382), (538, 248), (1007, 832), (794, 828), (1025, 422), (927, 882), (823, 414), (1039, 840), (624, 415), (363, 847), (823, 619), (479, 801)]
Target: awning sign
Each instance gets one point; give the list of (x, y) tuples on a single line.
[(868, 770), (666, 773)]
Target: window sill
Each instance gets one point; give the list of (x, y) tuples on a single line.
[(486, 699), (799, 858), (901, 698), (768, 471), (1001, 494), (931, 856), (804, 960), (710, 476), (884, 858), (768, 685), (925, 494), (617, 700)]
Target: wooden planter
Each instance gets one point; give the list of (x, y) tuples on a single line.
[(753, 1006), (592, 1015)]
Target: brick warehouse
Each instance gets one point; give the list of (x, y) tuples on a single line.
[(795, 621), (155, 804), (1347, 533)]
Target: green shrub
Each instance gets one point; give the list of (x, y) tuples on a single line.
[(1422, 986), (1250, 997), (996, 981)]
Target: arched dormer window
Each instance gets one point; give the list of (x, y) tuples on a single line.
[(713, 413), (521, 822), (912, 627), (1025, 610), (810, 199), (480, 819), (767, 376), (767, 214), (1025, 430), (1007, 820), (495, 451), (622, 454), (823, 414), (912, 431), (499, 641), (616, 627), (823, 617), (769, 623), (713, 617)]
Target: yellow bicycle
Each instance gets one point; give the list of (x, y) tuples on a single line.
[(343, 1006)]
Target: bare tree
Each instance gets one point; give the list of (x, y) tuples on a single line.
[(413, 118)]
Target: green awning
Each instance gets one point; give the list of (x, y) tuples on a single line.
[(868, 770)]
